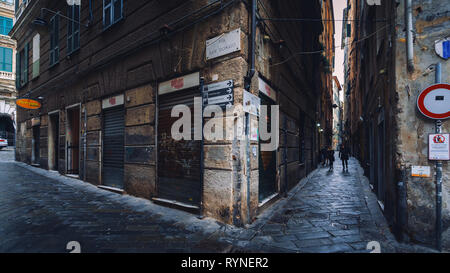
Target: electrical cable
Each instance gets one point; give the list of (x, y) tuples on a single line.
[(321, 51)]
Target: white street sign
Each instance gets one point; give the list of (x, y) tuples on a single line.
[(223, 44)]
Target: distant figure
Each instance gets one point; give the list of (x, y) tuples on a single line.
[(344, 154), (323, 156), (330, 156)]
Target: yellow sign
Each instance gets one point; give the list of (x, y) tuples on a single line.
[(28, 103)]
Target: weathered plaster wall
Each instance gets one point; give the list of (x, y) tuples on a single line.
[(412, 145)]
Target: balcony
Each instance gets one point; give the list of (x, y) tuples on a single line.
[(7, 75)]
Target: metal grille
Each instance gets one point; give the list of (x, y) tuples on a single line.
[(178, 161), (113, 147)]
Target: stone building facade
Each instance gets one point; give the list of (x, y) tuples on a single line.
[(388, 133), (7, 73), (109, 72)]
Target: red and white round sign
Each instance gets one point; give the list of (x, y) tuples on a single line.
[(434, 102)]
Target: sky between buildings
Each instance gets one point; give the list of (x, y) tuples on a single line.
[(339, 6)]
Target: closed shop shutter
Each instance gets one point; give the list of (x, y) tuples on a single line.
[(267, 159), (179, 169), (113, 147)]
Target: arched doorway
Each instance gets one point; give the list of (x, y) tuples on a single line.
[(7, 128)]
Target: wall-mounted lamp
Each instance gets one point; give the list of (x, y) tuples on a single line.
[(40, 21)]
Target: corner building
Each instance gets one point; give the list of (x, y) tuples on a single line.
[(109, 72)]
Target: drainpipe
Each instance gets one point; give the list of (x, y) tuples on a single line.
[(409, 35), (252, 42), (401, 205), (247, 86)]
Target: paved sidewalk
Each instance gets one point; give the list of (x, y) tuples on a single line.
[(41, 211), (332, 211)]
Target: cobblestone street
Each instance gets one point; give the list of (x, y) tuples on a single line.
[(42, 211)]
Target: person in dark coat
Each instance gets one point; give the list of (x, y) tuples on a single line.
[(344, 155), (330, 156), (323, 156)]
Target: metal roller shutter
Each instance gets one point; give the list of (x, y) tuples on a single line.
[(178, 161), (113, 147)]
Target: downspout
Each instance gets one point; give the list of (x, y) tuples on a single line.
[(252, 46), (409, 35), (248, 81)]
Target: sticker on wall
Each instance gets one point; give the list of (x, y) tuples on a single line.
[(421, 171)]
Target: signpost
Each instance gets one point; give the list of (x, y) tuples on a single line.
[(434, 103), (219, 94)]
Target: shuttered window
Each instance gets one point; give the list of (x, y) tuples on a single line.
[(6, 56), (5, 25), (54, 40), (112, 12), (73, 29), (22, 66)]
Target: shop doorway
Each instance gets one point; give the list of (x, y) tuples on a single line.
[(179, 169), (381, 163), (267, 159), (53, 141), (73, 141), (35, 156), (113, 147)]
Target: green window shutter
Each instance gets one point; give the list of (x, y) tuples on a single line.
[(349, 30), (26, 62), (18, 70)]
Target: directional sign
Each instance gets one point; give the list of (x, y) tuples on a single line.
[(434, 102), (220, 93), (219, 85)]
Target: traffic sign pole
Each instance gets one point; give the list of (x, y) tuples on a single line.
[(438, 129)]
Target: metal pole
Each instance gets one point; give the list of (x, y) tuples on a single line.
[(438, 130), (249, 169), (202, 155)]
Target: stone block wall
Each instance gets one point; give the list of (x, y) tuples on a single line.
[(140, 150)]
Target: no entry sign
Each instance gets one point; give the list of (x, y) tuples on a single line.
[(434, 102)]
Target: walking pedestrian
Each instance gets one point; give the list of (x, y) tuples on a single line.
[(344, 154), (331, 157), (324, 156)]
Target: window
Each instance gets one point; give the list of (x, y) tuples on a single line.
[(73, 29), (36, 55), (54, 40), (5, 25), (112, 12), (22, 66), (6, 55)]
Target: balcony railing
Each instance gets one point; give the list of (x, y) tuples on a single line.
[(7, 75)]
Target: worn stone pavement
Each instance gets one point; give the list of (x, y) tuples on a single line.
[(42, 211)]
